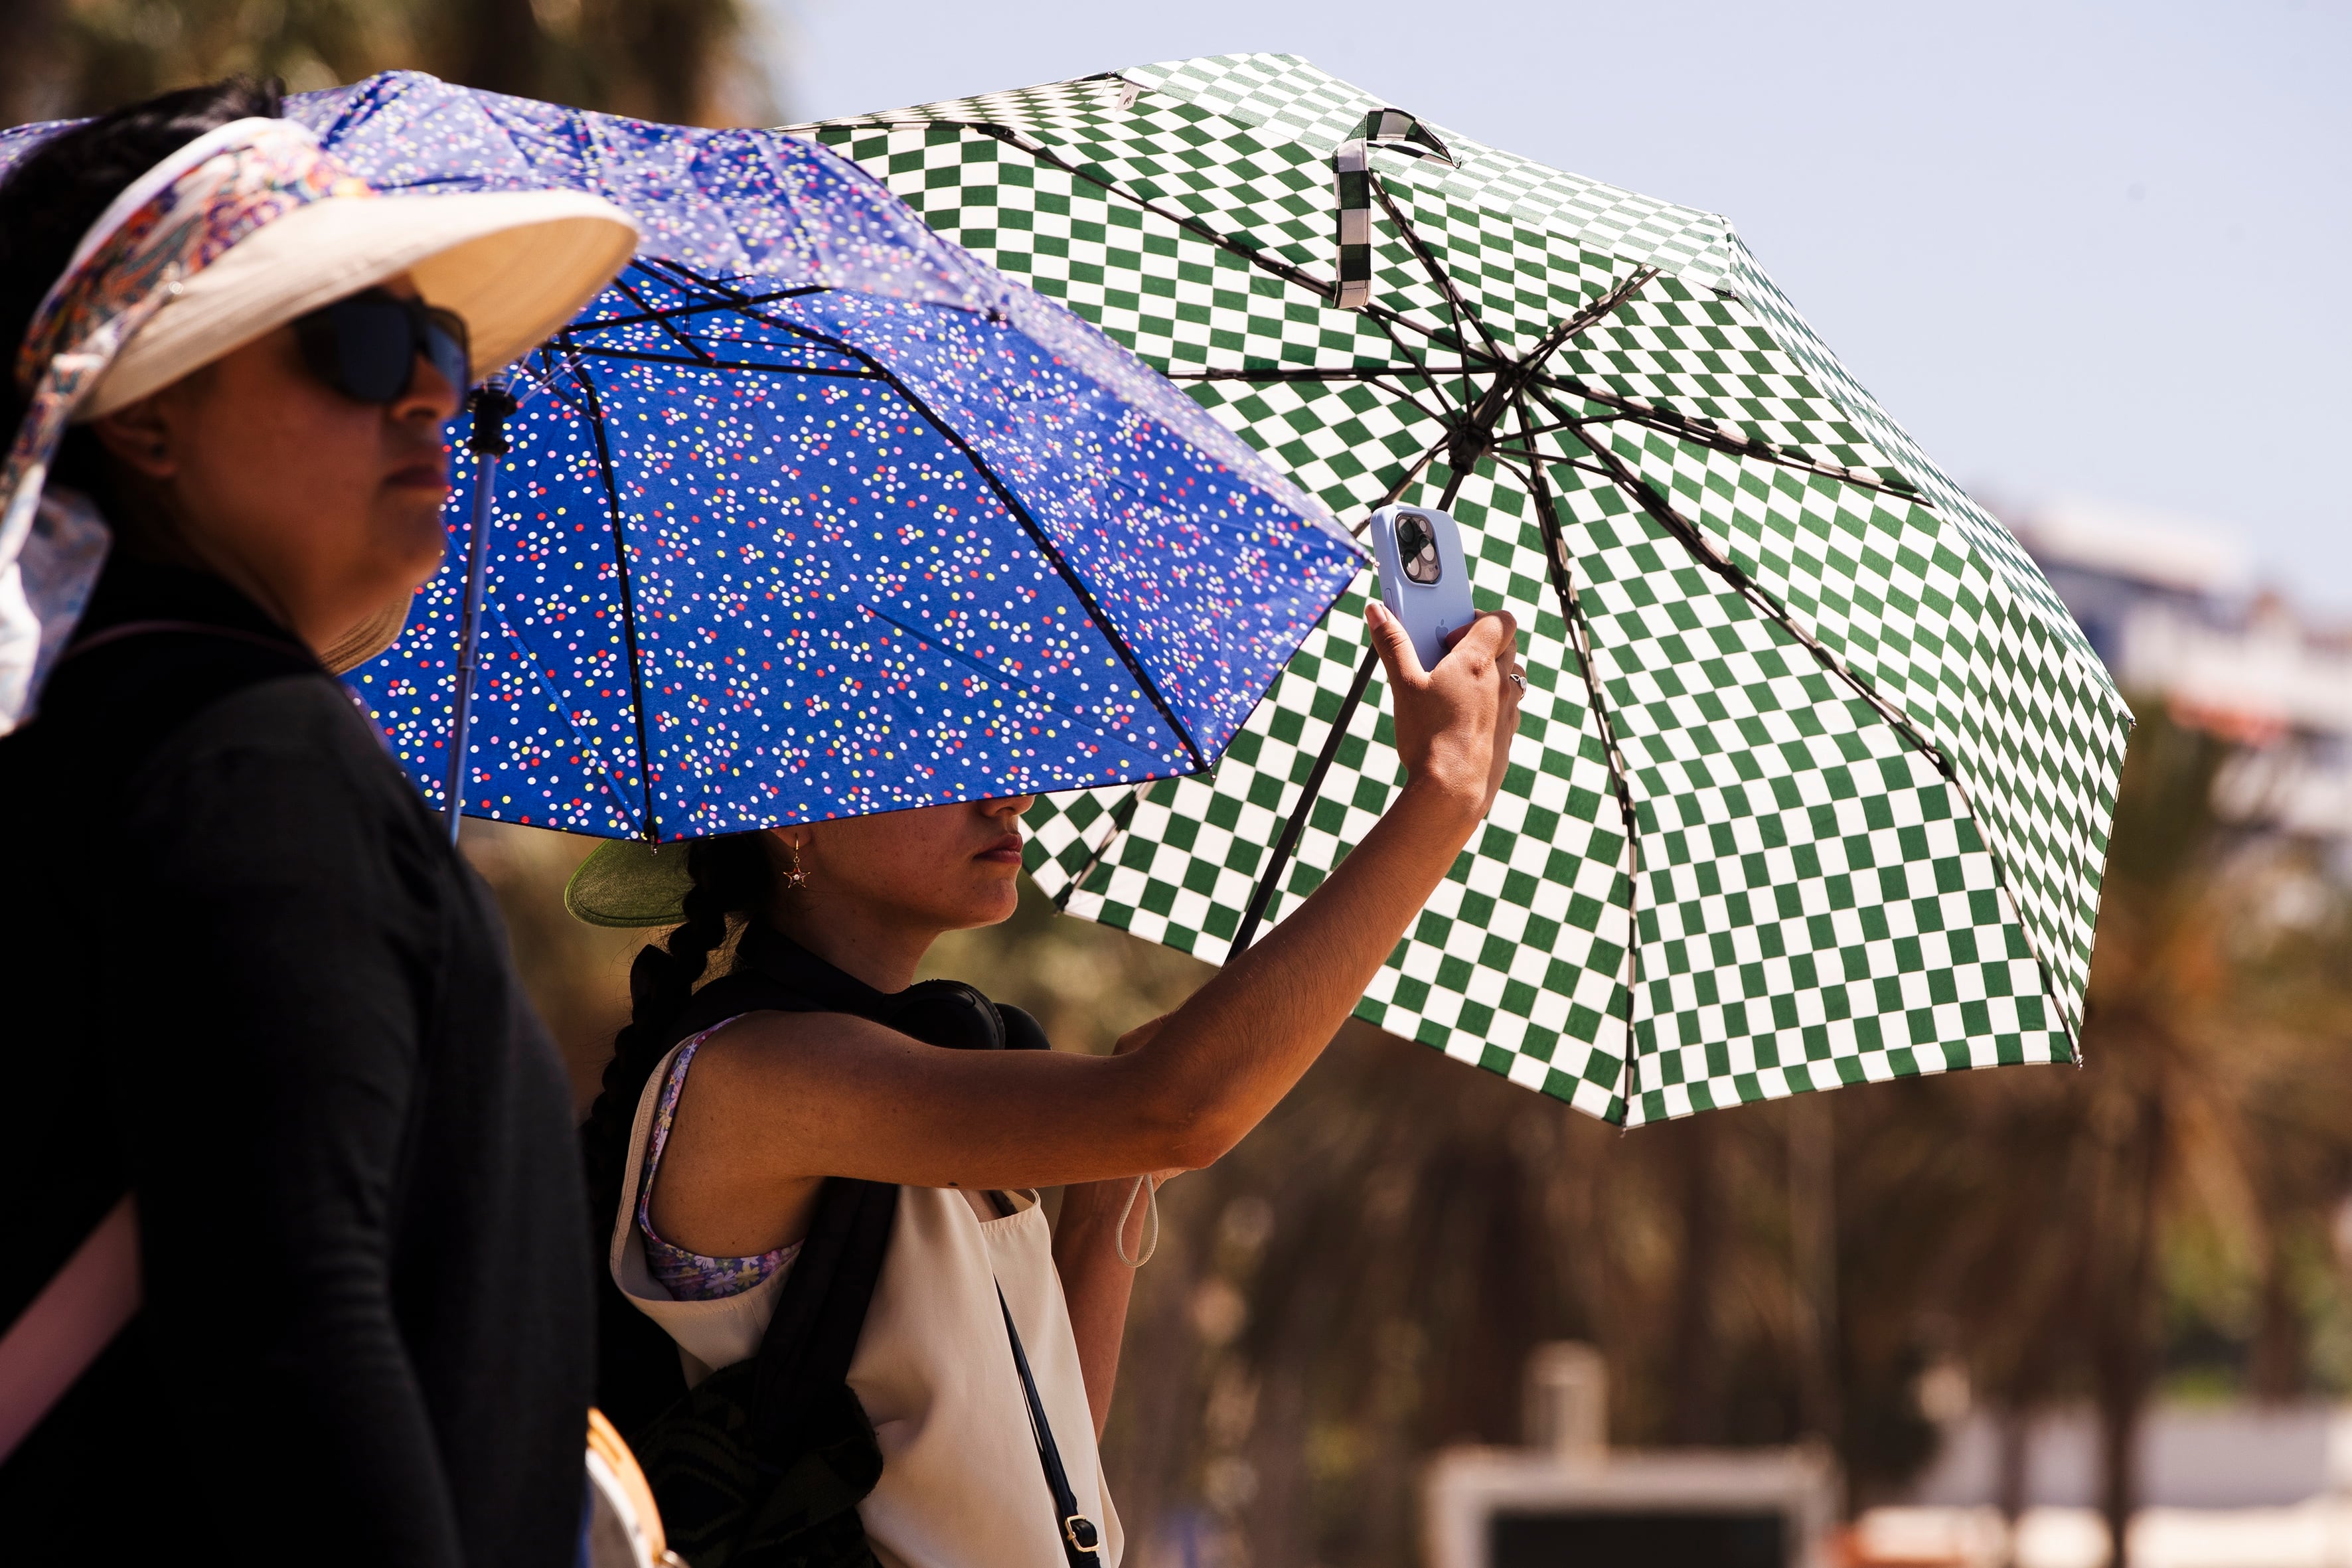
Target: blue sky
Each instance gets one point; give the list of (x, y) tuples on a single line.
[(2078, 249)]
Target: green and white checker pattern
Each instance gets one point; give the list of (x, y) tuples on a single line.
[(1809, 896), (1518, 963), (1815, 903)]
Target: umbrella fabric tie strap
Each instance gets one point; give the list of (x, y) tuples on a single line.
[(1351, 170)]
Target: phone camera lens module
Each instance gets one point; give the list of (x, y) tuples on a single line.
[(1417, 550)]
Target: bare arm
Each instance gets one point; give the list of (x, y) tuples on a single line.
[(778, 1099), (1089, 1240), (1095, 1283)]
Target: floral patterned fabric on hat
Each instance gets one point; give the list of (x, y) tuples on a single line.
[(171, 223)]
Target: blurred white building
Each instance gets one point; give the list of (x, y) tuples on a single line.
[(2174, 611), (2222, 1486)]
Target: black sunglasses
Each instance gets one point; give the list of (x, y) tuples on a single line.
[(365, 345)]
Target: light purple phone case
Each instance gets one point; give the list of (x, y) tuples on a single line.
[(1428, 611)]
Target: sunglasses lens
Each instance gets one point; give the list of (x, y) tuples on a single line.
[(365, 347), (374, 344), (446, 346)]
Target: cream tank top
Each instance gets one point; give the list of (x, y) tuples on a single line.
[(962, 1486)]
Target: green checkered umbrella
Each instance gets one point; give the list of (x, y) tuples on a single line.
[(1814, 773)]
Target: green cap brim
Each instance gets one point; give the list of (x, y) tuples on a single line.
[(627, 882)]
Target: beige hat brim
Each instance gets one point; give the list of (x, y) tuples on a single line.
[(516, 266)]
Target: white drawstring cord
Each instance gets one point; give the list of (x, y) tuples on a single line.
[(1143, 1184)]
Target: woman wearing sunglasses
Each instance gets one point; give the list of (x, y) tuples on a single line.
[(261, 1037)]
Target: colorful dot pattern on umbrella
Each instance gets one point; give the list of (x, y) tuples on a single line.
[(744, 572), (813, 514)]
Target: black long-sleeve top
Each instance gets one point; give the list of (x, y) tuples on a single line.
[(244, 974)]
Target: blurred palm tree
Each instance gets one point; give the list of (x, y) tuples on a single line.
[(683, 61), (2049, 1222), (1362, 1280)]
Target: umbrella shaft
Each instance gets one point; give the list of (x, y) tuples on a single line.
[(1285, 847), (486, 479)]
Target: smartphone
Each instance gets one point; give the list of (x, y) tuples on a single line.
[(1423, 580)]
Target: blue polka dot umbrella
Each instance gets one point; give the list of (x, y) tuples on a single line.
[(812, 514)]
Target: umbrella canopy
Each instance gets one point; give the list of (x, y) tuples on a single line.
[(810, 514), (1815, 772)]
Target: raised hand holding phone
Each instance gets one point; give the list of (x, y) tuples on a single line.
[(1423, 581)]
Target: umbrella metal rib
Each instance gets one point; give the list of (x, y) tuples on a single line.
[(1455, 306), (1288, 843), (1321, 373), (1703, 552), (1467, 439), (1312, 788), (1791, 886), (1002, 492), (680, 313), (1037, 535), (1563, 582), (641, 358), (621, 569), (1420, 364), (577, 356), (661, 319), (1701, 549), (1470, 436)]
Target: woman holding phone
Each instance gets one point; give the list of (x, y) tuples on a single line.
[(736, 1119)]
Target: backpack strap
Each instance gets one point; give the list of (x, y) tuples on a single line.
[(801, 1370), (96, 1292), (69, 1324), (813, 1334), (820, 1312)]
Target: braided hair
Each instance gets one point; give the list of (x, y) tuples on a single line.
[(731, 881)]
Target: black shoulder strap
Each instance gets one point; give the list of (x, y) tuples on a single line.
[(813, 1335), (1078, 1531)]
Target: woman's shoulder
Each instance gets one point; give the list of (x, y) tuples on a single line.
[(291, 754), (301, 723), (760, 1050), (761, 1026)]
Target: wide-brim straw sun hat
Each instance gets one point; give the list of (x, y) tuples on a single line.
[(237, 233), (515, 265)]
